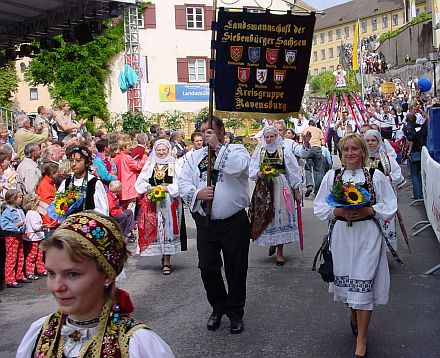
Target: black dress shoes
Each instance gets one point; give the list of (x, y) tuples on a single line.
[(236, 326), (214, 321), (272, 250)]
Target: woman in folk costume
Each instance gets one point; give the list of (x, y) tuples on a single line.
[(379, 159), (272, 210), (360, 267), (83, 258), (159, 221)]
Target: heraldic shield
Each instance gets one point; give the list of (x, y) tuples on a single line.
[(272, 55), (261, 75), (290, 56), (236, 52), (254, 54), (244, 74)]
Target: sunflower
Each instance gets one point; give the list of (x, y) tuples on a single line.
[(268, 170), (353, 195), (157, 192), (61, 205)]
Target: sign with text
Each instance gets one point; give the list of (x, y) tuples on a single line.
[(262, 61), (184, 92)]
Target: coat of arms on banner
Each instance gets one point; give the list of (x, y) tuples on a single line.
[(271, 55), (236, 52), (243, 74), (279, 76), (261, 75), (254, 54), (290, 56)]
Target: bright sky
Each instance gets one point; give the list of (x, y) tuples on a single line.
[(324, 4)]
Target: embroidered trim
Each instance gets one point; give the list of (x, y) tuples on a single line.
[(359, 286)]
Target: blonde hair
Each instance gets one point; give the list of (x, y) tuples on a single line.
[(359, 140), (29, 201)]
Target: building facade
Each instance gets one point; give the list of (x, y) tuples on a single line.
[(335, 28)]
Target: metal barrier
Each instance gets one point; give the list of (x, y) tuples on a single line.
[(7, 118)]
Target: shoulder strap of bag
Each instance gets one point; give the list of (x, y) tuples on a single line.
[(325, 243)]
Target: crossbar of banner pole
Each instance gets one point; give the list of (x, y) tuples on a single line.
[(306, 11)]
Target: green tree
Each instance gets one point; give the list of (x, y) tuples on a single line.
[(173, 119), (78, 73), (234, 123), (8, 84), (135, 122), (324, 82)]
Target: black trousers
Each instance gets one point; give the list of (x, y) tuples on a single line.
[(231, 237)]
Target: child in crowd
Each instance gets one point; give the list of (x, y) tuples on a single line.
[(34, 233), (12, 223), (125, 218)]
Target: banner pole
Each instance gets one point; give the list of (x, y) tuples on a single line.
[(211, 104)]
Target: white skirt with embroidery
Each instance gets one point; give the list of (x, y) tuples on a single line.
[(283, 229)]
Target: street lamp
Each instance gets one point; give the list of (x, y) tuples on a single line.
[(433, 57)]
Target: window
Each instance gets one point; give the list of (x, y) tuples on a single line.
[(33, 94), (140, 21), (315, 72), (314, 40), (321, 35), (323, 69), (332, 68), (395, 20), (330, 36), (385, 22), (194, 18), (346, 31), (364, 26), (149, 18), (197, 70), (322, 54), (338, 34), (374, 24), (315, 55), (330, 52)]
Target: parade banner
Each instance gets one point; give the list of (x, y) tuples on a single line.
[(262, 61), (431, 190)]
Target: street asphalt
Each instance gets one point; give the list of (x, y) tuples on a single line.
[(288, 313)]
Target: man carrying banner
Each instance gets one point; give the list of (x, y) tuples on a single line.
[(228, 229)]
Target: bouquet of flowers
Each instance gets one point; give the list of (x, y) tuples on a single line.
[(65, 203), (157, 194), (348, 195), (269, 172)]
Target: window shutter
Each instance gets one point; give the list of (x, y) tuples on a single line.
[(150, 17), (180, 12), (208, 70), (208, 17), (146, 69), (182, 70)]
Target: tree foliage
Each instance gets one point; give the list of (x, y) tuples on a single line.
[(78, 73), (8, 84), (135, 122), (173, 119), (325, 81)]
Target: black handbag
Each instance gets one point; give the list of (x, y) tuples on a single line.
[(324, 253)]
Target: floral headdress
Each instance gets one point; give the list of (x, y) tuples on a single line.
[(100, 236), (82, 151)]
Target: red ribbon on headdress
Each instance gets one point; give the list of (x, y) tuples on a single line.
[(124, 301)]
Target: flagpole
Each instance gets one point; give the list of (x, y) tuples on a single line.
[(362, 64)]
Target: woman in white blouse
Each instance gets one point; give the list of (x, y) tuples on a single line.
[(362, 278)]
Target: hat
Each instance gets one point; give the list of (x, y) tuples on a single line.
[(312, 121), (99, 235)]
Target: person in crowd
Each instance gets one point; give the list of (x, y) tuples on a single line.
[(315, 161), (34, 234), (227, 230), (300, 150), (53, 153), (380, 160), (417, 139), (154, 130), (125, 218), (340, 129), (140, 151), (83, 259), (99, 134), (9, 175), (196, 140), (24, 135), (300, 123), (5, 140), (290, 134), (177, 143), (27, 171), (159, 222), (46, 191), (127, 171), (229, 137), (272, 210), (102, 162), (360, 265), (340, 74), (12, 222), (65, 123), (82, 180)]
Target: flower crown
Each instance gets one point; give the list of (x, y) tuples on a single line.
[(98, 235)]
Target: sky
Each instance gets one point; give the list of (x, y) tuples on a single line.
[(324, 4)]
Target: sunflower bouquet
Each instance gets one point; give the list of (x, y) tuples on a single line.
[(348, 195), (157, 194), (268, 171), (64, 204)]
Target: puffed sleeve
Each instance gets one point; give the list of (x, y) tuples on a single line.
[(386, 200), (187, 185), (293, 172), (173, 188), (254, 165), (320, 207), (233, 160), (30, 338), (142, 185), (100, 197), (144, 343)]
